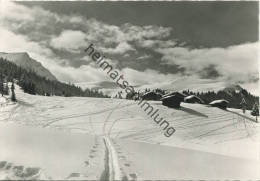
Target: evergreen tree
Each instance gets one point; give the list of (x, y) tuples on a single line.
[(120, 94), (1, 85), (243, 104), (13, 97), (6, 89), (255, 111)]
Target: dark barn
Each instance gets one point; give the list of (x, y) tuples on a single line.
[(152, 96), (180, 95), (173, 101)]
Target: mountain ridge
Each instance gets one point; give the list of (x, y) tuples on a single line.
[(24, 60)]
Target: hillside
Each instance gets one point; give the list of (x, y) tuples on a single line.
[(34, 84), (25, 61), (207, 142)]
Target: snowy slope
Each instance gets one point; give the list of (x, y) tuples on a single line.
[(209, 143), (24, 60), (53, 153)]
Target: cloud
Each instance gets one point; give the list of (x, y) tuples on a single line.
[(17, 43), (147, 76), (11, 42), (121, 48), (35, 22), (13, 12), (53, 39), (69, 40), (133, 32), (145, 56), (234, 63), (56, 30), (87, 59), (152, 44), (85, 73)]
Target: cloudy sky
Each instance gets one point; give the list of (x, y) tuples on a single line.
[(149, 42)]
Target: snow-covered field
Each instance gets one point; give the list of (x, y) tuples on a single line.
[(106, 139)]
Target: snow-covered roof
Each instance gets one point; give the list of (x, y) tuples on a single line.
[(219, 101), (191, 96), (174, 94), (171, 97)]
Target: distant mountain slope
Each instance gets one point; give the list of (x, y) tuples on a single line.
[(233, 88), (25, 61), (184, 83), (98, 85), (33, 83)]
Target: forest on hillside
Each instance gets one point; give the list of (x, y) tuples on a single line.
[(34, 84), (234, 97)]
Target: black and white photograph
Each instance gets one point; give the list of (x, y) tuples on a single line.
[(129, 90)]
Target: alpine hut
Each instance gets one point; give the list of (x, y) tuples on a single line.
[(222, 103), (175, 94), (193, 99), (152, 96), (173, 100)]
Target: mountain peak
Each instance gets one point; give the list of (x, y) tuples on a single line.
[(233, 88), (23, 54), (24, 60)]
